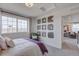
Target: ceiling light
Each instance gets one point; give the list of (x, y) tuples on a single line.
[(29, 4)]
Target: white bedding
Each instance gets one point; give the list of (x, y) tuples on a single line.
[(23, 48)]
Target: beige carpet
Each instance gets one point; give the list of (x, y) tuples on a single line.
[(68, 49), (69, 46)]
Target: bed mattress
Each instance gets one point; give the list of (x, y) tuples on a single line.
[(23, 48)]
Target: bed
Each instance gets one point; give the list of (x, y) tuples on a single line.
[(23, 47)]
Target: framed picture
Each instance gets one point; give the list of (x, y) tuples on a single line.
[(50, 19), (44, 20), (39, 27), (43, 27), (44, 34), (50, 35), (50, 27), (38, 21), (39, 33)]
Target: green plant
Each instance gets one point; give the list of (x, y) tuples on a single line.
[(35, 34)]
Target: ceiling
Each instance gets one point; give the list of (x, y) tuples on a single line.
[(36, 10)]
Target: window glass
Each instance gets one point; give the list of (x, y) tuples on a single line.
[(10, 25), (75, 27)]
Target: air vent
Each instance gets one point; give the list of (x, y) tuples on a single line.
[(42, 9)]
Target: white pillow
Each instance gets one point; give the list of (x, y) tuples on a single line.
[(1, 37), (3, 45), (34, 37), (9, 42)]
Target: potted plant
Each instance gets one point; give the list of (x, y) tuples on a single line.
[(34, 36)]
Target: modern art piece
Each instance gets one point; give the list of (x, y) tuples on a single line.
[(44, 20), (39, 27), (43, 27), (43, 34), (50, 27), (38, 21), (50, 35), (39, 33), (50, 19)]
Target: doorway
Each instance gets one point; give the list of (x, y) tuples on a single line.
[(70, 29)]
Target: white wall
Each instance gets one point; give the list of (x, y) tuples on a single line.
[(58, 28), (33, 25)]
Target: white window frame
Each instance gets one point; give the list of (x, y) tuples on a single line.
[(22, 26), (17, 19), (75, 27)]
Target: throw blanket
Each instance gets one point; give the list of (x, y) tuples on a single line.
[(41, 45)]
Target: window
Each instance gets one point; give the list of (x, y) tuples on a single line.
[(14, 25), (22, 26), (75, 27), (10, 25), (4, 24)]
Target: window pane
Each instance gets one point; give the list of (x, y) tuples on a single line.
[(19, 26), (75, 27), (10, 23), (22, 25), (9, 19), (4, 24), (14, 19), (4, 18)]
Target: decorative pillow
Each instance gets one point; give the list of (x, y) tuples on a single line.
[(34, 37), (3, 44), (9, 42), (1, 37)]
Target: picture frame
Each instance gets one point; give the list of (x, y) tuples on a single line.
[(38, 32), (44, 20), (43, 27), (50, 18), (43, 34), (50, 35), (39, 27), (50, 26), (39, 21)]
